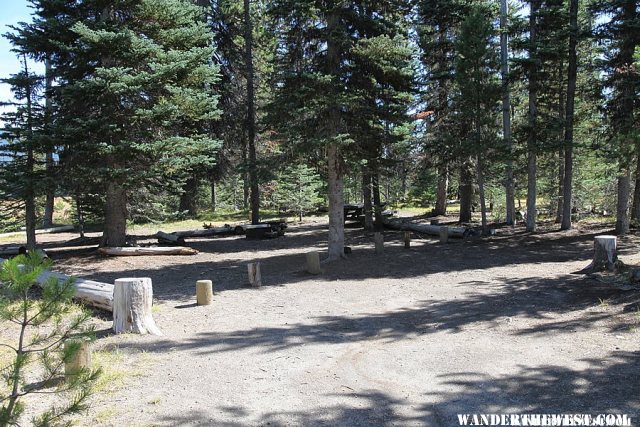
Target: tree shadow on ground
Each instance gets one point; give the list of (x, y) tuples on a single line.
[(541, 300), (368, 408), (596, 387), (605, 386), (174, 278)]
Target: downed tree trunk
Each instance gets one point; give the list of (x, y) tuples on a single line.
[(140, 251), (214, 231), (169, 238), (433, 230), (95, 294), (61, 229), (132, 302), (10, 251)]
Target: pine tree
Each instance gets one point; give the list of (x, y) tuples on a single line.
[(478, 92), (621, 35), (50, 330), (135, 98), (314, 100), (437, 24), (23, 137), (297, 189)]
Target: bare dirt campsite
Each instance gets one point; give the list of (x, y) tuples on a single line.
[(406, 337)]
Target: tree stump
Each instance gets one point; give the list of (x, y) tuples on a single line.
[(313, 263), (604, 254), (407, 240), (80, 360), (444, 234), (255, 279), (379, 240), (132, 301), (204, 292)]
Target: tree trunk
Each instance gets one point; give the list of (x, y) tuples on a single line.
[(189, 197), (466, 191), (334, 157), (29, 190), (377, 202), (132, 303), (635, 207), (47, 220), (622, 207), (214, 195), (506, 114), (443, 189), (483, 203), (366, 194), (336, 204), (533, 118), (115, 216), (569, 118), (560, 193), (251, 115)]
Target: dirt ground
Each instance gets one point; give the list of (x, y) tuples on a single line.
[(404, 338)]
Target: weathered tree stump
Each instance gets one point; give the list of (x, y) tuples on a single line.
[(444, 234), (204, 292), (255, 279), (604, 255), (132, 302), (80, 360), (407, 239), (313, 263), (379, 240)]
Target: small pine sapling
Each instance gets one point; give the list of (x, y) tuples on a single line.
[(44, 322)]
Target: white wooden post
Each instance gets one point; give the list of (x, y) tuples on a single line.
[(255, 279), (313, 263), (204, 292)]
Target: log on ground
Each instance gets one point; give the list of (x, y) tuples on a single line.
[(227, 230), (170, 238), (141, 251), (89, 292), (433, 230)]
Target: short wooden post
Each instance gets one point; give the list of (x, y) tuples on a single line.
[(132, 301), (255, 278), (204, 292), (313, 263), (407, 240), (605, 253), (379, 239), (444, 234), (80, 359)]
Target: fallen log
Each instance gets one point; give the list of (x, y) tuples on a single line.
[(89, 292), (10, 251), (61, 229), (171, 238), (140, 251), (213, 231), (95, 294), (433, 230)]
